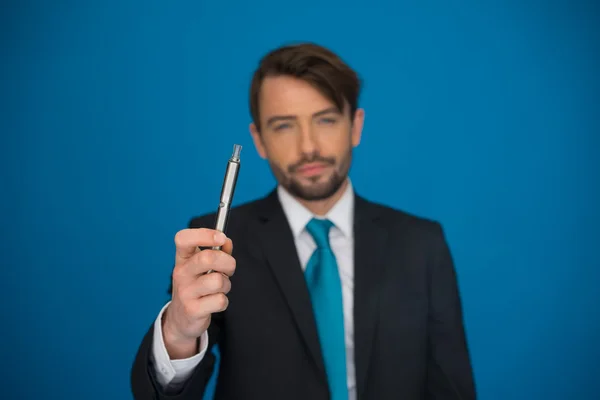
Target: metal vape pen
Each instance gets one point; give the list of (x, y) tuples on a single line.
[(231, 174)]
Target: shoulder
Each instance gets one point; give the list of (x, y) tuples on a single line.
[(422, 237), (403, 221)]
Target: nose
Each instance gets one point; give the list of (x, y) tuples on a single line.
[(308, 142)]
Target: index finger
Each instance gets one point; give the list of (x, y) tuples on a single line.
[(227, 247), (188, 240)]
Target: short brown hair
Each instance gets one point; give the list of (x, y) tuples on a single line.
[(314, 64)]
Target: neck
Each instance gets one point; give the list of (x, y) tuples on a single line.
[(322, 207)]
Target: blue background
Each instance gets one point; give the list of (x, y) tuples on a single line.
[(117, 118)]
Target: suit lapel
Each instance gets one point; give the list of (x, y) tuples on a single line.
[(370, 238), (369, 244), (280, 249)]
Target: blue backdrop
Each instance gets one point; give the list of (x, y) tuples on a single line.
[(117, 118)]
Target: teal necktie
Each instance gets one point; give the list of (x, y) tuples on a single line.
[(325, 290)]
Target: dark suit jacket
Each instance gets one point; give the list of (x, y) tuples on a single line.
[(409, 337)]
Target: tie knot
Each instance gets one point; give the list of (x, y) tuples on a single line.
[(319, 230)]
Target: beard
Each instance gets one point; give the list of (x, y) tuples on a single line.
[(314, 190)]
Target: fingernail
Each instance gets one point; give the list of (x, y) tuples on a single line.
[(220, 237)]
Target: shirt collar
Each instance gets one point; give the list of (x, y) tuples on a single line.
[(341, 214)]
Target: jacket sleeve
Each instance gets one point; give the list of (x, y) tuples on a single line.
[(450, 374)]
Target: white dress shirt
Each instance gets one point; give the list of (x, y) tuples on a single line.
[(173, 373)]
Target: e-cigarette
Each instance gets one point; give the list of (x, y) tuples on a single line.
[(231, 174)]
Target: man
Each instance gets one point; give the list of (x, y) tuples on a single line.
[(333, 296)]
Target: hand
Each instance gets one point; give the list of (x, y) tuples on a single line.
[(196, 295)]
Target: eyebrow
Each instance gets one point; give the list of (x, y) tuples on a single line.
[(277, 118)]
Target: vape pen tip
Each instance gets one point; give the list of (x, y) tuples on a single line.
[(237, 149)]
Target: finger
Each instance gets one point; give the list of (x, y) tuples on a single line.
[(228, 246), (209, 259), (201, 262), (207, 305), (206, 285), (187, 241)]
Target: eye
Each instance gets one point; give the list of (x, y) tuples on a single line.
[(282, 126), (327, 121)]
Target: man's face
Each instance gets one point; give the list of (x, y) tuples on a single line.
[(306, 140)]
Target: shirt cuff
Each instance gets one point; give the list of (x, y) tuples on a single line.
[(173, 373)]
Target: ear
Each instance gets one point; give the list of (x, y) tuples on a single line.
[(258, 143), (357, 126)]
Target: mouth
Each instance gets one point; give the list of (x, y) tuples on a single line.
[(312, 169)]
